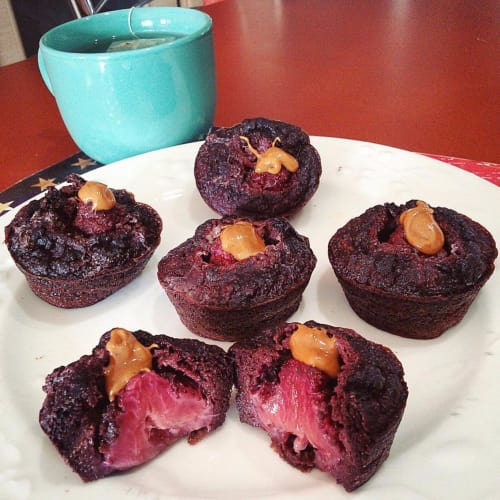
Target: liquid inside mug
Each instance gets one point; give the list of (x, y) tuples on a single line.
[(131, 81)]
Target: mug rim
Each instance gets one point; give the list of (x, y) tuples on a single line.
[(200, 32)]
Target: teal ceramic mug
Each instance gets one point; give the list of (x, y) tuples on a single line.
[(118, 101)]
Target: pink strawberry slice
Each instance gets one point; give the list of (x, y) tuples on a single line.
[(155, 414)]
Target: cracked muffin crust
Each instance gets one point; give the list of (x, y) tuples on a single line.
[(74, 254), (223, 297), (259, 168), (394, 286)]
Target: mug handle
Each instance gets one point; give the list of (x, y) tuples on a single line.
[(43, 71)]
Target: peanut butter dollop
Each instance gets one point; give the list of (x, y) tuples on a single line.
[(272, 159), (241, 240), (314, 347), (421, 229), (127, 357), (98, 194)]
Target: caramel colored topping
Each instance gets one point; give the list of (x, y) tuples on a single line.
[(315, 348), (241, 240), (127, 357), (98, 194), (272, 159), (421, 229)]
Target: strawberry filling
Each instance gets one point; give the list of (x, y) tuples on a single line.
[(155, 414), (296, 413)]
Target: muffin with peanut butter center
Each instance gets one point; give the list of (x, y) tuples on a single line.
[(237, 275), (259, 168), (133, 397), (327, 397), (82, 242), (411, 269)]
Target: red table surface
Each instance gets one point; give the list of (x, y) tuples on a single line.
[(421, 76)]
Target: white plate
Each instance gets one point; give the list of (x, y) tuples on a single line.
[(448, 444)]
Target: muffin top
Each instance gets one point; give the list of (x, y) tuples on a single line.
[(373, 250), (259, 168), (205, 270), (63, 236)]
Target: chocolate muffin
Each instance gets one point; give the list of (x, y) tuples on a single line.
[(327, 397), (81, 243), (237, 276), (133, 397), (410, 269), (259, 168)]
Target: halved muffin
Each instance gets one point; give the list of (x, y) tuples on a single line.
[(327, 397), (133, 397)]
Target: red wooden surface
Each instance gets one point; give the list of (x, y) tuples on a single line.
[(422, 76)]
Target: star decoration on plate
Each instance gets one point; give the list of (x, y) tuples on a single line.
[(83, 163), (5, 206), (43, 184)]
